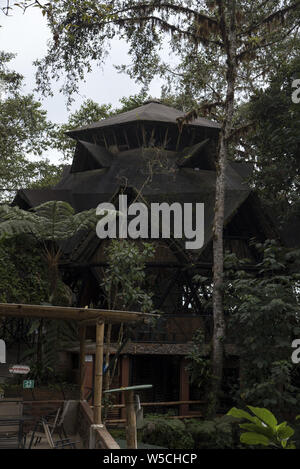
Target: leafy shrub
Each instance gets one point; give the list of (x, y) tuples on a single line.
[(169, 433), (218, 433), (263, 429), (23, 274), (263, 306)]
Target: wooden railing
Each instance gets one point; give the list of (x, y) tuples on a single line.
[(191, 414), (172, 328), (155, 404), (103, 438)]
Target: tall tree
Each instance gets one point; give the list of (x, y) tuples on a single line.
[(89, 112), (273, 146), (230, 34), (264, 309), (25, 133)]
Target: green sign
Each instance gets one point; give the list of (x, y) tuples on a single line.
[(28, 384)]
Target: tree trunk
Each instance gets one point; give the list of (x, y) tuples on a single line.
[(219, 332)]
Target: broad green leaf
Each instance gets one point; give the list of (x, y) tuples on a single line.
[(265, 415), (285, 432), (241, 414), (291, 446), (251, 438), (252, 427), (281, 425)]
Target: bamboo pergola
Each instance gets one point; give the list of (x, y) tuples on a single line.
[(84, 317)]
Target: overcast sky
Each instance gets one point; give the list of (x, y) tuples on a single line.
[(27, 35)]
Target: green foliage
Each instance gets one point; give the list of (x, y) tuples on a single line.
[(24, 278), (23, 273), (273, 145), (198, 367), (82, 30), (125, 278), (218, 433), (263, 428), (24, 130), (124, 287), (131, 102), (263, 306), (55, 336), (160, 431), (50, 221), (88, 113)]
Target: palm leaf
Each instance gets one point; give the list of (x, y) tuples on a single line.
[(50, 221)]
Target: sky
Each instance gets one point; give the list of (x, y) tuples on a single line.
[(27, 35)]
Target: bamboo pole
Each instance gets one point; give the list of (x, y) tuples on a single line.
[(173, 417), (131, 434), (82, 335), (66, 312), (163, 404), (98, 372)]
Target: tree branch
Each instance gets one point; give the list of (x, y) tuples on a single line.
[(252, 49), (269, 19), (158, 5), (167, 27)]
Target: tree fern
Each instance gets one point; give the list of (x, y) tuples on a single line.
[(49, 223)]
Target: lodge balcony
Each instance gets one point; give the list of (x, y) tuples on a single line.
[(178, 328)]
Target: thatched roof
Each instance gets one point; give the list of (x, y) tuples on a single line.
[(149, 174), (150, 112), (86, 189)]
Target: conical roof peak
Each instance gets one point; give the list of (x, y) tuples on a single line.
[(150, 111)]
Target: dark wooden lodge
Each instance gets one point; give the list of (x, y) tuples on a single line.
[(145, 154)]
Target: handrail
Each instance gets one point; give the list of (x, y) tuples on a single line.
[(154, 404), (102, 434)]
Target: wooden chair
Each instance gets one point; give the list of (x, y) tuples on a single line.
[(38, 431), (59, 427), (11, 433), (55, 425), (58, 444)]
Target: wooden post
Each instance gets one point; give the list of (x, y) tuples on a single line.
[(82, 367), (98, 372), (125, 365), (131, 435), (184, 394)]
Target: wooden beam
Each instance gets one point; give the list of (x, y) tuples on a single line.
[(124, 365), (184, 391), (76, 314), (82, 368), (90, 322), (98, 373), (155, 404)]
